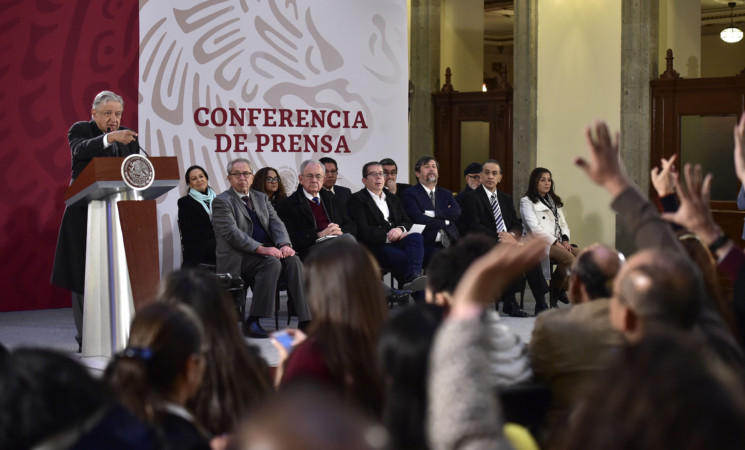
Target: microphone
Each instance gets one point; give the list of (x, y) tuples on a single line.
[(108, 130), (143, 150)]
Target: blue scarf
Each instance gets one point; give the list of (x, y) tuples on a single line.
[(204, 199)]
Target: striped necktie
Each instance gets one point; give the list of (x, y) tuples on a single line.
[(497, 213)]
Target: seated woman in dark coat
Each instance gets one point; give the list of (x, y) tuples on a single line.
[(267, 180), (194, 219)]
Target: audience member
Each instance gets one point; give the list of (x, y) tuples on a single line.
[(472, 175), (571, 346), (161, 370), (390, 170), (341, 193), (652, 233), (432, 206), (236, 377), (664, 184), (382, 226), (490, 211), (508, 355), (268, 181), (661, 393), (463, 408), (541, 209), (346, 299), (309, 417), (50, 401), (404, 350), (313, 215), (195, 219), (252, 242)]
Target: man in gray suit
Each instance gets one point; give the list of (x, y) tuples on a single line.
[(253, 242)]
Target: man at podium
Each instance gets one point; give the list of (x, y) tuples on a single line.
[(101, 136)]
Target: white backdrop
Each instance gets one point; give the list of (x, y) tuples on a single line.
[(200, 61)]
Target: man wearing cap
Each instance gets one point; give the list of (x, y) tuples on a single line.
[(472, 174)]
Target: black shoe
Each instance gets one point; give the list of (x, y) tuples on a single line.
[(512, 310), (415, 283), (561, 296), (398, 296), (540, 307), (254, 329)]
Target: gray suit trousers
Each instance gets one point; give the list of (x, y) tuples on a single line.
[(263, 272)]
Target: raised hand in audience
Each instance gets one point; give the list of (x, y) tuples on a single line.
[(604, 167), (662, 178), (694, 212), (740, 149), (489, 275)]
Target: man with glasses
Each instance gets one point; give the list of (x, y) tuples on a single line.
[(313, 215), (390, 170), (382, 226), (341, 193), (253, 243), (472, 174)]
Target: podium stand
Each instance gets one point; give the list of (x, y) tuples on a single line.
[(122, 265)]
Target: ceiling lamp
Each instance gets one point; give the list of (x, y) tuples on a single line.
[(731, 34)]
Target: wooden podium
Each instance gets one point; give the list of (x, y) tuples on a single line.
[(122, 265)]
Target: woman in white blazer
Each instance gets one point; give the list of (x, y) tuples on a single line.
[(542, 216)]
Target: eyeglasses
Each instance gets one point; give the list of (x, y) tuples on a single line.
[(311, 176), (392, 172), (474, 177), (272, 179), (375, 174), (241, 174)]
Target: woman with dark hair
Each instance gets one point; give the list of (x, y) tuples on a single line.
[(195, 219), (667, 380), (541, 211), (267, 180), (348, 309), (236, 377), (160, 370), (404, 349)]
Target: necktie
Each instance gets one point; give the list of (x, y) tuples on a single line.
[(432, 197), (316, 200), (247, 200), (497, 213)]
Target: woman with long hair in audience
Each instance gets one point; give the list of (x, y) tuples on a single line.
[(160, 370), (236, 376), (348, 309), (663, 392), (195, 219), (267, 180), (541, 210), (404, 349)]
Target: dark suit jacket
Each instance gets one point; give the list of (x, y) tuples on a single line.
[(197, 236), (233, 228), (298, 218), (416, 200), (86, 143), (400, 189), (342, 195), (477, 215), (372, 227)]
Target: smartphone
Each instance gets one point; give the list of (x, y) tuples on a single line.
[(284, 338)]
